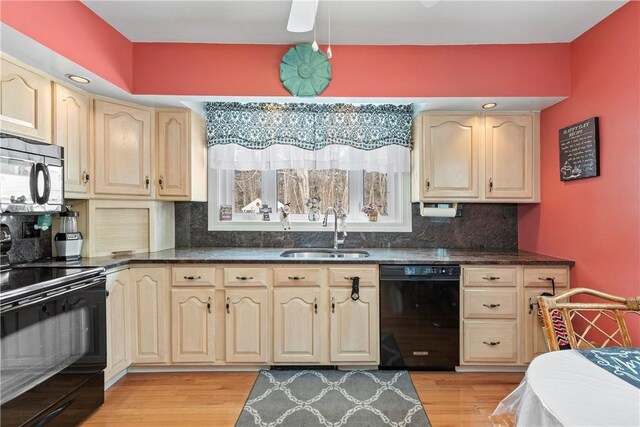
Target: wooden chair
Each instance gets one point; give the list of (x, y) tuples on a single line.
[(588, 325)]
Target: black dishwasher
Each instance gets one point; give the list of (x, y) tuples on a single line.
[(419, 317)]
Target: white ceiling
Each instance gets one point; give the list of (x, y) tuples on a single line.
[(378, 22)]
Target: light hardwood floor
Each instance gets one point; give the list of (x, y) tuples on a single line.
[(216, 398)]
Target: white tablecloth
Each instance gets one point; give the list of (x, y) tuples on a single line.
[(563, 388)]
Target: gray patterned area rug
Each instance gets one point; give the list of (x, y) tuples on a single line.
[(305, 398)]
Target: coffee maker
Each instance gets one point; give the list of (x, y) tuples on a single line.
[(68, 240)]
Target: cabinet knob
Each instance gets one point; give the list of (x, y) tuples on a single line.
[(491, 305), (161, 182), (490, 185), (85, 177)]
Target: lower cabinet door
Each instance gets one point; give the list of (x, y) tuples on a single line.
[(534, 340), (192, 325), (246, 325), (296, 325), (354, 326), (150, 316), (118, 324)]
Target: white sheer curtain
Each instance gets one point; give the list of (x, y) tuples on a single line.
[(388, 159)]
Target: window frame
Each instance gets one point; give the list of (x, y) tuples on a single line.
[(221, 186)]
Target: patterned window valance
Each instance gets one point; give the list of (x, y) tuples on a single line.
[(331, 135)]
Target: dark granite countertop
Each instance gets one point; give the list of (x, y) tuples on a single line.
[(272, 255)]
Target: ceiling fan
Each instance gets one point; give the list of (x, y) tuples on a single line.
[(302, 16)]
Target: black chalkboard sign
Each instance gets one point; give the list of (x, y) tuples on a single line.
[(579, 150)]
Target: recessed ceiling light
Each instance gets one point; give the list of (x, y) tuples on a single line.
[(489, 105), (78, 79)]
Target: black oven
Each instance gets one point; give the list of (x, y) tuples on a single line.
[(52, 346)]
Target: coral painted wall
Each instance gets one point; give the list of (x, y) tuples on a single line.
[(74, 31), (71, 29), (595, 221), (375, 71)]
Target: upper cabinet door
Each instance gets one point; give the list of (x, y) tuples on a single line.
[(450, 157), (173, 154), (122, 149), (71, 131), (509, 157), (25, 100)]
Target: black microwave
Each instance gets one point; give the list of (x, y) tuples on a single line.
[(31, 176)]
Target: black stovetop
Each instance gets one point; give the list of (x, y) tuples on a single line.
[(21, 280)]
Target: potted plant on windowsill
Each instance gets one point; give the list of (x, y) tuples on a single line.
[(371, 210)]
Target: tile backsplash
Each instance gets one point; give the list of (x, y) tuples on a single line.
[(26, 249), (482, 226)]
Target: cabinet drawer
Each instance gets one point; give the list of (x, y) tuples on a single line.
[(541, 277), (194, 276), (297, 276), (341, 276), (490, 303), (489, 342), (245, 277), (489, 276)]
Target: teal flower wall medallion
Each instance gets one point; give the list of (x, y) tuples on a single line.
[(304, 72)]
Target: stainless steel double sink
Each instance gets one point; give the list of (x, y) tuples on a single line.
[(324, 253)]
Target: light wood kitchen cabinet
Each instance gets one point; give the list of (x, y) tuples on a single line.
[(123, 152), (118, 323), (499, 322), (181, 155), (296, 325), (71, 131), (192, 325), (450, 157), (150, 315), (25, 102), (247, 325), (475, 158), (113, 227), (509, 157), (537, 280), (354, 330)]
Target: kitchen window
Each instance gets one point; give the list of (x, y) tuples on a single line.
[(265, 156), (246, 191)]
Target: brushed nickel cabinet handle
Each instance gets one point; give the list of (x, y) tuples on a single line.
[(491, 277), (297, 277), (244, 278), (491, 305), (491, 342)]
